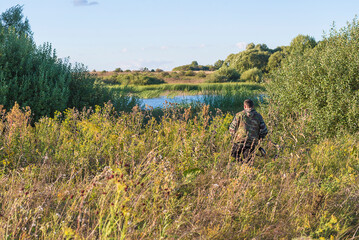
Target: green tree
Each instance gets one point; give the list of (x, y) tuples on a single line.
[(275, 60), (13, 19), (250, 46), (218, 64), (248, 59), (252, 75), (321, 84), (194, 65), (224, 74), (34, 76), (301, 43)]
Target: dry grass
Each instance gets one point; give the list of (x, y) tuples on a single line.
[(100, 175)]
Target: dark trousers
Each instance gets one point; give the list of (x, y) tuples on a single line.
[(243, 153)]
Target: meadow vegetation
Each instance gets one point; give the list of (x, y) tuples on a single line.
[(152, 91), (92, 171)]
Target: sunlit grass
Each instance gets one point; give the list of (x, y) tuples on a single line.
[(99, 174), (151, 91)]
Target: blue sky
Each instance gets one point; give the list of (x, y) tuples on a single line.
[(106, 34)]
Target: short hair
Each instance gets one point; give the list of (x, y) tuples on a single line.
[(249, 103)]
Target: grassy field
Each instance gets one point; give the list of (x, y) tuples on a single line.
[(97, 174)]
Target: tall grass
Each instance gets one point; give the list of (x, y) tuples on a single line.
[(99, 174), (152, 91)]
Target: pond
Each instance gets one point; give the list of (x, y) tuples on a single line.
[(161, 101)]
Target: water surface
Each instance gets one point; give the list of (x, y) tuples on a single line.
[(161, 101)]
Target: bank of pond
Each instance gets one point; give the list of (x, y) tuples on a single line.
[(225, 96)]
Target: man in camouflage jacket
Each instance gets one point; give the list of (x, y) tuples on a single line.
[(247, 129)]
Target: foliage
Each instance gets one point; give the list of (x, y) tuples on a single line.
[(322, 84), (301, 43), (13, 20), (275, 60), (34, 76), (252, 75), (224, 74), (194, 66), (218, 64), (253, 57), (132, 79), (189, 73), (117, 70), (201, 74)]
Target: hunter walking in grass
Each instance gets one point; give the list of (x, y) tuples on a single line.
[(247, 130)]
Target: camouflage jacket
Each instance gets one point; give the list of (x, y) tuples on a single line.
[(248, 127)]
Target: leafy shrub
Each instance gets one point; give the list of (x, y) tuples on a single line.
[(189, 73), (253, 57), (165, 74), (175, 75), (201, 74), (225, 74), (132, 79), (322, 83), (252, 75), (34, 76), (194, 66)]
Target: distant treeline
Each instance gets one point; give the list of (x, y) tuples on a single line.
[(252, 64), (194, 66)]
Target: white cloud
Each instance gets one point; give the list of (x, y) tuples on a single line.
[(241, 45), (202, 45), (84, 3), (124, 50), (164, 47)]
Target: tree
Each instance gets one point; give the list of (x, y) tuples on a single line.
[(218, 64), (252, 75), (250, 46), (194, 65), (34, 76), (321, 83), (275, 60), (301, 43), (248, 59), (13, 19), (225, 74)]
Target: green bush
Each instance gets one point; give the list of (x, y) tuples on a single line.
[(132, 79), (321, 85), (34, 76), (201, 74), (224, 74), (252, 75), (165, 74), (255, 56), (189, 73)]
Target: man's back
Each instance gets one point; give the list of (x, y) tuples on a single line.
[(248, 127)]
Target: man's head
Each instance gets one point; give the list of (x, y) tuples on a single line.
[(248, 104)]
